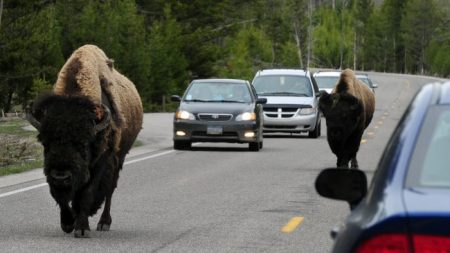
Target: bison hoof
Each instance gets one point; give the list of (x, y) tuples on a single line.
[(102, 227), (67, 228), (82, 233)]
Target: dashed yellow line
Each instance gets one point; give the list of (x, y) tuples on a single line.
[(292, 224)]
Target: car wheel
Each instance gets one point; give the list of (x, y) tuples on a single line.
[(181, 145), (316, 132), (260, 145), (254, 146)]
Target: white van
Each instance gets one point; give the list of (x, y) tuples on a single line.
[(292, 101)]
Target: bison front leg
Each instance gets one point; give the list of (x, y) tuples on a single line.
[(354, 163), (67, 219), (81, 208)]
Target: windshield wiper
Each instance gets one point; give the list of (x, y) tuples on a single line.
[(197, 100), (284, 93), (229, 101)]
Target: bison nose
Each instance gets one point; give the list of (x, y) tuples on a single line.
[(60, 175)]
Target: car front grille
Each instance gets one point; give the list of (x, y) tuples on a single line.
[(214, 117), (287, 112), (282, 111)]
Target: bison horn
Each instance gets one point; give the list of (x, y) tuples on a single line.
[(105, 121)]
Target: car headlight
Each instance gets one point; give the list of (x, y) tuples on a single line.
[(307, 111), (246, 116), (184, 115)]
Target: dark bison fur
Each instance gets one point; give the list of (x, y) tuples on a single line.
[(348, 111), (80, 165), (87, 124), (342, 113)]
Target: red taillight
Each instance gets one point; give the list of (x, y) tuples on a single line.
[(399, 243), (431, 244), (388, 243)]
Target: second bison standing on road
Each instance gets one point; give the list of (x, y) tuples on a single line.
[(348, 111), (87, 125)]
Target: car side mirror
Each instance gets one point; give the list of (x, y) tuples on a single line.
[(175, 98), (374, 85), (342, 184), (261, 100)]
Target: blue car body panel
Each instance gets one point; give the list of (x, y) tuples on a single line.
[(389, 207)]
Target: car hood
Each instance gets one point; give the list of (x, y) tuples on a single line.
[(289, 100), (205, 107), (327, 90)]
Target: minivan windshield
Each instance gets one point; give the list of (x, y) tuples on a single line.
[(283, 85), (326, 82), (218, 92), (430, 164)]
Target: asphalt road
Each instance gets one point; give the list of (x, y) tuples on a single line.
[(215, 198)]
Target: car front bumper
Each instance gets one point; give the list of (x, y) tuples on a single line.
[(205, 131), (297, 123)]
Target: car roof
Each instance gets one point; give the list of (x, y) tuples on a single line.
[(219, 80), (268, 72), (445, 93)]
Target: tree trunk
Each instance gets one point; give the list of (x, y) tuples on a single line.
[(1, 11), (297, 41)]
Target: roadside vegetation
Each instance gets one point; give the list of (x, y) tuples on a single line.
[(163, 44), (19, 149)]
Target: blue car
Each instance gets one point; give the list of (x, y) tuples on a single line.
[(407, 206)]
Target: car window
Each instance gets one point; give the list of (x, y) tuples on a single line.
[(326, 82), (283, 85), (430, 164), (218, 92), (365, 80)]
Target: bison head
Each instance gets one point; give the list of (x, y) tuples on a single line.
[(342, 113), (72, 131)]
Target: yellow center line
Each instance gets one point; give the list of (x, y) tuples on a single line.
[(292, 224)]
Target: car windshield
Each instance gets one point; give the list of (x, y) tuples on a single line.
[(218, 92), (430, 164), (326, 82), (283, 85), (365, 80)]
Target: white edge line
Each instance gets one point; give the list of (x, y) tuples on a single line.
[(22, 190), (44, 184), (149, 157)]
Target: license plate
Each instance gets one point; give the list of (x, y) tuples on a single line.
[(214, 130)]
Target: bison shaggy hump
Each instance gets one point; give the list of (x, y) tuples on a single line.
[(87, 125), (348, 111)]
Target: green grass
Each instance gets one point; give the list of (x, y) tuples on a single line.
[(18, 168), (15, 127)]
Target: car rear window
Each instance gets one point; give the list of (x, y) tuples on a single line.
[(278, 85), (430, 163)]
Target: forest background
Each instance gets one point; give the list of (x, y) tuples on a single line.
[(163, 44)]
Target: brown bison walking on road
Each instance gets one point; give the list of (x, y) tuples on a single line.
[(87, 125), (348, 111)]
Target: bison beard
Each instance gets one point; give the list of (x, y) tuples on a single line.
[(82, 127), (348, 111)]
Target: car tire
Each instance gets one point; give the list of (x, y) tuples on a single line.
[(260, 145), (254, 146), (181, 145), (316, 132)]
